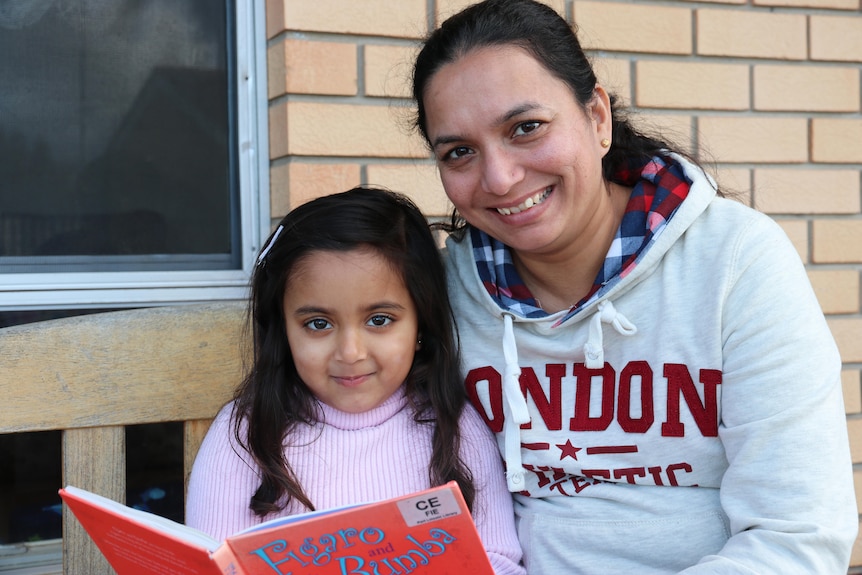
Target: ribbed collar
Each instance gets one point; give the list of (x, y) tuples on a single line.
[(372, 418)]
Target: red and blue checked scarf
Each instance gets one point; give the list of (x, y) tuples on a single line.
[(658, 187)]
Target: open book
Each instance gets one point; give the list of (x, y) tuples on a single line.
[(423, 533)]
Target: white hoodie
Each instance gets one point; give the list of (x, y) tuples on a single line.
[(688, 420)]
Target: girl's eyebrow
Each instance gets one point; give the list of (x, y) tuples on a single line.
[(310, 309), (313, 309), (385, 305), (502, 119)]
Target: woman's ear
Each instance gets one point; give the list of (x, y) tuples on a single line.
[(599, 110)]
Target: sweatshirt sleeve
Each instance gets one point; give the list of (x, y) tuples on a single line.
[(788, 489), (492, 510), (221, 483)]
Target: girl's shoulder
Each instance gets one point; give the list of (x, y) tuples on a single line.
[(473, 426)]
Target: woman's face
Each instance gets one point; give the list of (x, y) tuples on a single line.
[(518, 156)]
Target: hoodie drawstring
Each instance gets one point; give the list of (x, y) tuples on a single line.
[(515, 411), (594, 350), (514, 408)]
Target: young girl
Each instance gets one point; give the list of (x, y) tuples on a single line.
[(354, 393)]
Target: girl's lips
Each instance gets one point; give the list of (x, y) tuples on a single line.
[(530, 202), (351, 380)]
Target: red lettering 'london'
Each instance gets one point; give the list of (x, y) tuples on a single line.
[(616, 395)]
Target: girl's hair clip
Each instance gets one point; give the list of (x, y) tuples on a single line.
[(262, 256)]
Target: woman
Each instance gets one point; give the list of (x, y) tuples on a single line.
[(663, 385)]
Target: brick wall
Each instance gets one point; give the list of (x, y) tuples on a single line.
[(768, 90)]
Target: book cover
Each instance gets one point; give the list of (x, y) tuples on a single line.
[(428, 532)]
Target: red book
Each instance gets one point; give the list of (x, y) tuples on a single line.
[(428, 532)]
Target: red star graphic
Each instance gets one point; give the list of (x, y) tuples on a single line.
[(568, 450)]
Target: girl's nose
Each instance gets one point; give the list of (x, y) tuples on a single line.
[(500, 171), (351, 346)]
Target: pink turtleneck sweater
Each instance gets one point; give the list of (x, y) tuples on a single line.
[(353, 458)]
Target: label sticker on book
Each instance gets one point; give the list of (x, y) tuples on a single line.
[(419, 510)]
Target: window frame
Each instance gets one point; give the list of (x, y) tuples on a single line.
[(57, 290), (67, 290)]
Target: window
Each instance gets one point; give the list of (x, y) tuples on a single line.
[(134, 172), (134, 151)]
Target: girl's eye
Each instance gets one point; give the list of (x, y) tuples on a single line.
[(457, 153), (380, 320), (526, 127), (317, 324)]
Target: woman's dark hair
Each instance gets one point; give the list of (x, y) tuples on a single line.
[(546, 35), (272, 399)]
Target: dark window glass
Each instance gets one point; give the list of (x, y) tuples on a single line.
[(117, 136), (30, 508)]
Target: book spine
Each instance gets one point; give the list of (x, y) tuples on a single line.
[(226, 561)]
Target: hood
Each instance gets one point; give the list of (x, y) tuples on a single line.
[(472, 281)]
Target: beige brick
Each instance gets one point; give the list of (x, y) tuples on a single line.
[(402, 19), (304, 67), (420, 181), (854, 429), (754, 139), (673, 128), (797, 232), (857, 482), (615, 75), (748, 33), (673, 84), (822, 4), (274, 17), (837, 290), (446, 8), (388, 70), (717, 1), (848, 335), (851, 385), (320, 129), (294, 183), (735, 183), (806, 191), (278, 130), (837, 38), (856, 553), (837, 140), (808, 89), (837, 241), (625, 27)]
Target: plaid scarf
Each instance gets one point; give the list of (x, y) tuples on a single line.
[(658, 188)]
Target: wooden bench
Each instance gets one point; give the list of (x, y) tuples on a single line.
[(92, 375)]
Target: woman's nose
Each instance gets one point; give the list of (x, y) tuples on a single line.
[(500, 171)]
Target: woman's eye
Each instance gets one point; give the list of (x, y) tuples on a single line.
[(380, 320), (526, 127), (456, 153), (317, 324)]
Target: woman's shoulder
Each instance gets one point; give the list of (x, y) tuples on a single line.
[(732, 221)]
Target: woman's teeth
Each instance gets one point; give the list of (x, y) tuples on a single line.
[(528, 203)]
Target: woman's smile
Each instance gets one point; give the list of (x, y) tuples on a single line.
[(530, 202)]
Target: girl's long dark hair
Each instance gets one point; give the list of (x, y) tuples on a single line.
[(272, 399)]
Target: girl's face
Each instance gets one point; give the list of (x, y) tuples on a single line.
[(352, 327), (518, 156)]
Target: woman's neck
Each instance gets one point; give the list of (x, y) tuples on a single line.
[(560, 279)]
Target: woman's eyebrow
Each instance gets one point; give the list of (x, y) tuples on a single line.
[(502, 119), (516, 111)]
